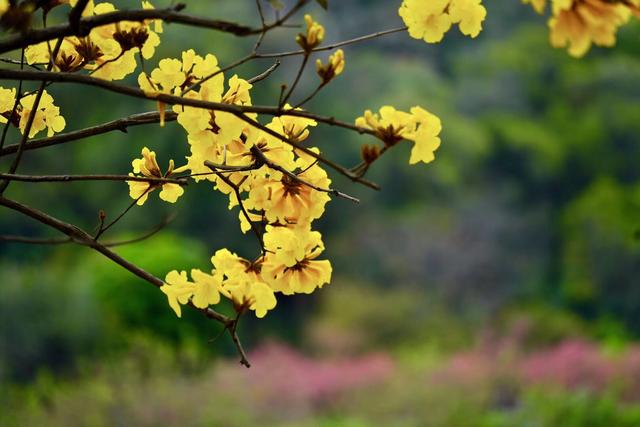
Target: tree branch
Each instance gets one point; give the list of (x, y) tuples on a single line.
[(83, 238), (119, 124), (69, 178), (85, 25)]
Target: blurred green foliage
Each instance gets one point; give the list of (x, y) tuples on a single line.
[(526, 225)]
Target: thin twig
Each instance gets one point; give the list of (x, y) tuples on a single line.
[(104, 228), (82, 237), (69, 178), (119, 125), (333, 45), (284, 100), (265, 73), (65, 240)]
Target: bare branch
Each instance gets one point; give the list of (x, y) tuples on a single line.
[(119, 125), (82, 237), (265, 74), (35, 240), (333, 45), (69, 178), (76, 14)]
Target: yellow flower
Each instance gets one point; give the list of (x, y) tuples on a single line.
[(286, 245), (426, 19), (392, 126), (283, 198), (431, 19), (210, 131), (243, 283), (292, 127), (7, 99), (469, 15), (426, 136), (178, 290), (47, 115), (301, 273), (148, 166), (4, 6), (313, 36), (206, 288), (577, 24), (174, 75), (332, 69), (114, 47)]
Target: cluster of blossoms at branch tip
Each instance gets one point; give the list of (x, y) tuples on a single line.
[(47, 115), (392, 126), (429, 20), (273, 182), (269, 172), (578, 24), (107, 52), (312, 37)]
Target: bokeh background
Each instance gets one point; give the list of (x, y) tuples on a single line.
[(495, 287)]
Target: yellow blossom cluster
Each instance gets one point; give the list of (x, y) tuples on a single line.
[(392, 126), (579, 24), (276, 184), (147, 166), (333, 68), (312, 37), (429, 20), (108, 52), (47, 114)]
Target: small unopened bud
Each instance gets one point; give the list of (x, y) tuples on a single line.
[(332, 68), (369, 153), (313, 37)]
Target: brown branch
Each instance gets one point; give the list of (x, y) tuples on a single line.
[(70, 178), (144, 236), (83, 238), (31, 75), (284, 100), (35, 240), (238, 110), (65, 240), (265, 73), (85, 25), (333, 45), (76, 14), (119, 125)]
